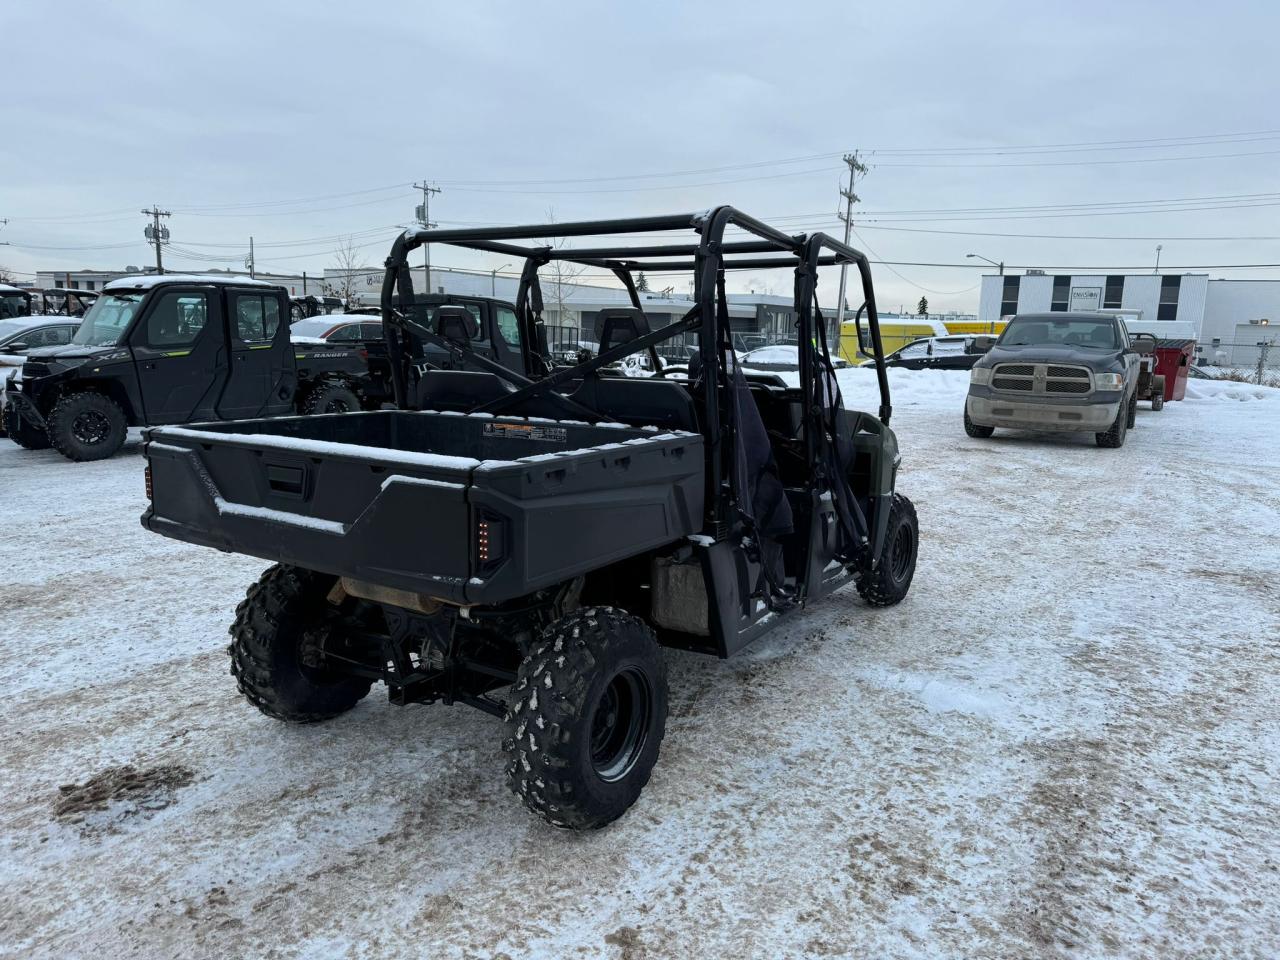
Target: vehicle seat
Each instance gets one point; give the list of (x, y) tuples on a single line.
[(456, 324), (639, 402), (459, 389)]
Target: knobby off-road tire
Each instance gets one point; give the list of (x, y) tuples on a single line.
[(891, 579), (331, 398), (1157, 402), (87, 426), (1133, 413), (1115, 434), (587, 716), (22, 433), (976, 431), (275, 631)]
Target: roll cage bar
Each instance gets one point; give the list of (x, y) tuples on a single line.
[(708, 259)]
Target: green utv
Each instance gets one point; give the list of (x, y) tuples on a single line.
[(526, 544)]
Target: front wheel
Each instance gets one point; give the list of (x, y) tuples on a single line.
[(26, 435), (889, 582), (977, 431), (1115, 434), (588, 712), (87, 426)]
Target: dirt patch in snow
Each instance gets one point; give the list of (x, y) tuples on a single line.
[(117, 794)]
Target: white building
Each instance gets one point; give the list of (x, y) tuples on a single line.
[(296, 283), (1228, 319)]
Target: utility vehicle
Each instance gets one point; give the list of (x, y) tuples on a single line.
[(173, 348), (526, 544)]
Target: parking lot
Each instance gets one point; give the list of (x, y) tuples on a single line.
[(1062, 743)]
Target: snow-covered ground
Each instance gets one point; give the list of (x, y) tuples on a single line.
[(1064, 743)]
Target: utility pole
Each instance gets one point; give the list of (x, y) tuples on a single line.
[(856, 169), (156, 234), (424, 217), (250, 261)]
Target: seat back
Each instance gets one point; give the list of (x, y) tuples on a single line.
[(456, 324), (639, 402), (617, 325)]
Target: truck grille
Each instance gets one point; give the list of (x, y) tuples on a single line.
[(1042, 378)]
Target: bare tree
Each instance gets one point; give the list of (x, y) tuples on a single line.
[(348, 265), (6, 276), (560, 276)]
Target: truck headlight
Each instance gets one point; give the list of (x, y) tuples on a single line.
[(980, 376), (1108, 381)]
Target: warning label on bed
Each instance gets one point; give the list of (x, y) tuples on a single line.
[(526, 431)]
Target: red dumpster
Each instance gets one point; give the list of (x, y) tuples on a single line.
[(1173, 358)]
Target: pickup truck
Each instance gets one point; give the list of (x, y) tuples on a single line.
[(1074, 372)]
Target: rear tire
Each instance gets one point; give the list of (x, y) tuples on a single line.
[(331, 398), (976, 431), (588, 712), (1113, 438), (25, 435), (889, 582), (277, 629), (87, 426), (1157, 402)]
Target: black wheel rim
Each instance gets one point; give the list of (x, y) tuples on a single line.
[(90, 427), (900, 555), (620, 725)]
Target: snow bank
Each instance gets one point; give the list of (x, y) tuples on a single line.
[(1229, 390)]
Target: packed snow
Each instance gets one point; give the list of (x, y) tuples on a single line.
[(1062, 744)]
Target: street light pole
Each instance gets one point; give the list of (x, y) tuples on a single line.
[(999, 265), (493, 279), (1159, 247)]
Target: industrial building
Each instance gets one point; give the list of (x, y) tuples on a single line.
[(1230, 320)]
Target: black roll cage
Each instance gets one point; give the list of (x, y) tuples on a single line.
[(708, 259)]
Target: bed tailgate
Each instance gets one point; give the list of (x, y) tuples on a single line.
[(384, 516)]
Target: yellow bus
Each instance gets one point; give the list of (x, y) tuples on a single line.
[(897, 332)]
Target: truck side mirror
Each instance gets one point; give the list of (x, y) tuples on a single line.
[(983, 344), (20, 347)]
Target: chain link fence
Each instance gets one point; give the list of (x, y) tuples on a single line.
[(1257, 362)]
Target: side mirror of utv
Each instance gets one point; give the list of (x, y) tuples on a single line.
[(983, 344)]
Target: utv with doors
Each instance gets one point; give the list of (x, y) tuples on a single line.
[(172, 348), (524, 541)]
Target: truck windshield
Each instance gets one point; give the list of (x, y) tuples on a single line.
[(1042, 331), (107, 320)]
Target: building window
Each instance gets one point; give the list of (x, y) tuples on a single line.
[(1169, 287), (1061, 293), (1009, 297), (1113, 294)]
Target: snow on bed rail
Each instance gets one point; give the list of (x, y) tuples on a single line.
[(227, 508), (325, 447)]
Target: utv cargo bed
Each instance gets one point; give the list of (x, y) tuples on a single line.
[(470, 509)]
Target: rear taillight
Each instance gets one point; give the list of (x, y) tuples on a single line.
[(490, 540), (147, 480)]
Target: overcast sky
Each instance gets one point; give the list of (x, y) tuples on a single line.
[(299, 123)]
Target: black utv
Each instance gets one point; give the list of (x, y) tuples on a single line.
[(526, 544), (174, 349)]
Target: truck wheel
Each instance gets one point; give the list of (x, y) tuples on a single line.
[(891, 579), (87, 426), (1133, 413), (331, 398), (589, 708), (275, 638), (974, 430), (25, 435), (1157, 401), (1114, 436)]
